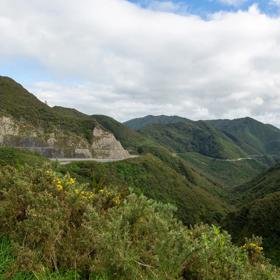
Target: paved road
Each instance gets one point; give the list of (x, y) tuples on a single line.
[(69, 160), (253, 157)]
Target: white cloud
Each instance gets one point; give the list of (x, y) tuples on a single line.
[(275, 3), (130, 61)]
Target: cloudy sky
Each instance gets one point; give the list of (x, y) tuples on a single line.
[(198, 59)]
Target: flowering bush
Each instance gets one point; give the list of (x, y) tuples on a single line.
[(54, 223)]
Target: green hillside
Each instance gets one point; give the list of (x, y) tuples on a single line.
[(195, 197), (16, 157), (17, 102), (259, 212), (266, 183), (228, 173), (252, 136), (138, 143), (189, 136), (204, 144), (53, 226), (260, 217)]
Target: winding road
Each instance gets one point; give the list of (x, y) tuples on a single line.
[(69, 160)]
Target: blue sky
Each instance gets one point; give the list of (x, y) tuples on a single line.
[(203, 59), (204, 7)]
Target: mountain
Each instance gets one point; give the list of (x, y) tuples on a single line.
[(258, 212), (207, 145), (189, 136), (252, 136), (27, 122), (183, 135), (140, 123)]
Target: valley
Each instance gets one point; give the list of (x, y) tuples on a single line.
[(92, 177)]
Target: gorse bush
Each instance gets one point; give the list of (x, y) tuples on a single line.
[(53, 224)]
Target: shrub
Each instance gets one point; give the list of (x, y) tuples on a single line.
[(56, 224)]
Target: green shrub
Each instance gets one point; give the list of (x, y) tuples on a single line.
[(56, 224)]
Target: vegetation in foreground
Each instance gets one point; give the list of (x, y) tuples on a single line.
[(150, 176), (53, 227)]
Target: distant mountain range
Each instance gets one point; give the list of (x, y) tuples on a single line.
[(216, 138)]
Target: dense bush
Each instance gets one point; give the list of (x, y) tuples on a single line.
[(55, 224)]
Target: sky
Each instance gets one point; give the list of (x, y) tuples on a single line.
[(203, 59)]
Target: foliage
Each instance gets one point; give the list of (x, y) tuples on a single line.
[(54, 223), (252, 136), (17, 102), (228, 173), (192, 136), (17, 157), (266, 183), (260, 217), (153, 178)]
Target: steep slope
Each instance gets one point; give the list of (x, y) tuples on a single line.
[(260, 217), (204, 145), (259, 212), (186, 164), (252, 136), (264, 184), (228, 173), (189, 136), (54, 132), (196, 198), (129, 138)]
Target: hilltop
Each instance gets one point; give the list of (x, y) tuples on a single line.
[(251, 135), (204, 145)]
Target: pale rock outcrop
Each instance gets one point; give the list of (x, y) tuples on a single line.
[(105, 145), (7, 127), (59, 143)]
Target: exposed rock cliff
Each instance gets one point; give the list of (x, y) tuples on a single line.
[(60, 143), (105, 145)]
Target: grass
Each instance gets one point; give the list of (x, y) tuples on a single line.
[(19, 157)]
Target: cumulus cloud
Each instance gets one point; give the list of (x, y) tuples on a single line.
[(127, 61)]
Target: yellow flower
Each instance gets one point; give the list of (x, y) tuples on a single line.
[(71, 181), (252, 246), (59, 186), (117, 200)]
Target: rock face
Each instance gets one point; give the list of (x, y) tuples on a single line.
[(105, 145), (60, 144)]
